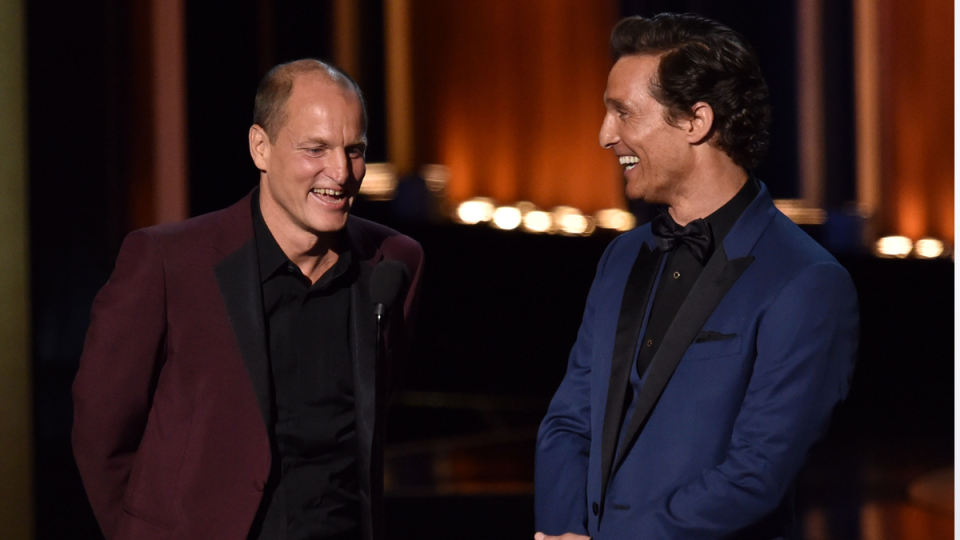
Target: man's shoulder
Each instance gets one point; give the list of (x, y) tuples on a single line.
[(231, 226), (786, 254), (793, 246), (773, 239), (366, 235)]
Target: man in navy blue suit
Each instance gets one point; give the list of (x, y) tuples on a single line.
[(715, 341)]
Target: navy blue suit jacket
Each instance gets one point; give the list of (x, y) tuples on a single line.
[(743, 384)]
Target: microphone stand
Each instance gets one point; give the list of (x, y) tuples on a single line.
[(380, 311)]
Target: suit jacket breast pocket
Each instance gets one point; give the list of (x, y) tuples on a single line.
[(710, 344)]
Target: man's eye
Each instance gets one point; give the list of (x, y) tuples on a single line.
[(356, 152)]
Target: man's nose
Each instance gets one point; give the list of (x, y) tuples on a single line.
[(338, 166), (608, 132)]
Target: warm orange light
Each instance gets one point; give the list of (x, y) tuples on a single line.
[(380, 182), (894, 247), (507, 218), (436, 177), (616, 219), (475, 210), (928, 248), (537, 221), (492, 99), (570, 221)]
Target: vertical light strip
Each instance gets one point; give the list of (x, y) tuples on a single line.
[(16, 462), (867, 87), (169, 111), (346, 34), (810, 97), (400, 149)]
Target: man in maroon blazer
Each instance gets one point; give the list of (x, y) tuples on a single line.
[(229, 385)]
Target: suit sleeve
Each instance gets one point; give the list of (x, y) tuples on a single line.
[(563, 442), (113, 390), (806, 347)]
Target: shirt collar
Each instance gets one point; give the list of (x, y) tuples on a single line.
[(269, 254), (272, 258), (722, 220)]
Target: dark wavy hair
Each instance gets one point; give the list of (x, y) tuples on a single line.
[(277, 85), (702, 60)]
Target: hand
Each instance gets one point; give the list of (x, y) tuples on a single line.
[(568, 536)]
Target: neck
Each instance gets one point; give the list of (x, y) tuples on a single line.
[(313, 253), (708, 188)]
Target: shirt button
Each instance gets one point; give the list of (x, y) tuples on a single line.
[(649, 343), (596, 508), (676, 275)]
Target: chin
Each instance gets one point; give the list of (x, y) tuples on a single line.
[(330, 227), (636, 194), (325, 224)]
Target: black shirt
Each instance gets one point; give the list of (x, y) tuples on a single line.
[(681, 270), (313, 492)]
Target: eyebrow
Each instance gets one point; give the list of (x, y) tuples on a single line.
[(323, 142), (314, 141), (616, 103)]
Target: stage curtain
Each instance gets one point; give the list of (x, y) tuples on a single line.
[(917, 108), (509, 96)]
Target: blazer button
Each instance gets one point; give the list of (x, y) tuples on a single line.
[(596, 508)]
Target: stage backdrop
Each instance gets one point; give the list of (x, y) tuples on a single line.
[(509, 95)]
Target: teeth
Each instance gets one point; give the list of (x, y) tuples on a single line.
[(327, 191), (629, 161)]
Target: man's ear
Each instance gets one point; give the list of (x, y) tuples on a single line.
[(699, 125), (259, 147)]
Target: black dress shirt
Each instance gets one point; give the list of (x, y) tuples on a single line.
[(313, 492), (679, 271)]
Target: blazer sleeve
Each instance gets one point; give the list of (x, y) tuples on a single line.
[(806, 348), (119, 367), (563, 442)]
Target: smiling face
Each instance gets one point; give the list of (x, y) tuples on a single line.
[(311, 172), (657, 158)]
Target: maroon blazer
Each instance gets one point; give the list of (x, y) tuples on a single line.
[(172, 398)]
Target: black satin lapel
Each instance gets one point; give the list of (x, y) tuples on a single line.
[(365, 373), (239, 279), (718, 276), (632, 308)]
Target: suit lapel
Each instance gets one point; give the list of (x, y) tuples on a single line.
[(362, 337), (718, 276), (367, 376), (633, 306), (238, 277)]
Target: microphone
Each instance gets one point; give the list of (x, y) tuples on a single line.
[(385, 283)]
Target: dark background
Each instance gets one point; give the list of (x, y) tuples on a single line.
[(499, 310)]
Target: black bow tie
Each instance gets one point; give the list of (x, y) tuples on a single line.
[(696, 234)]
